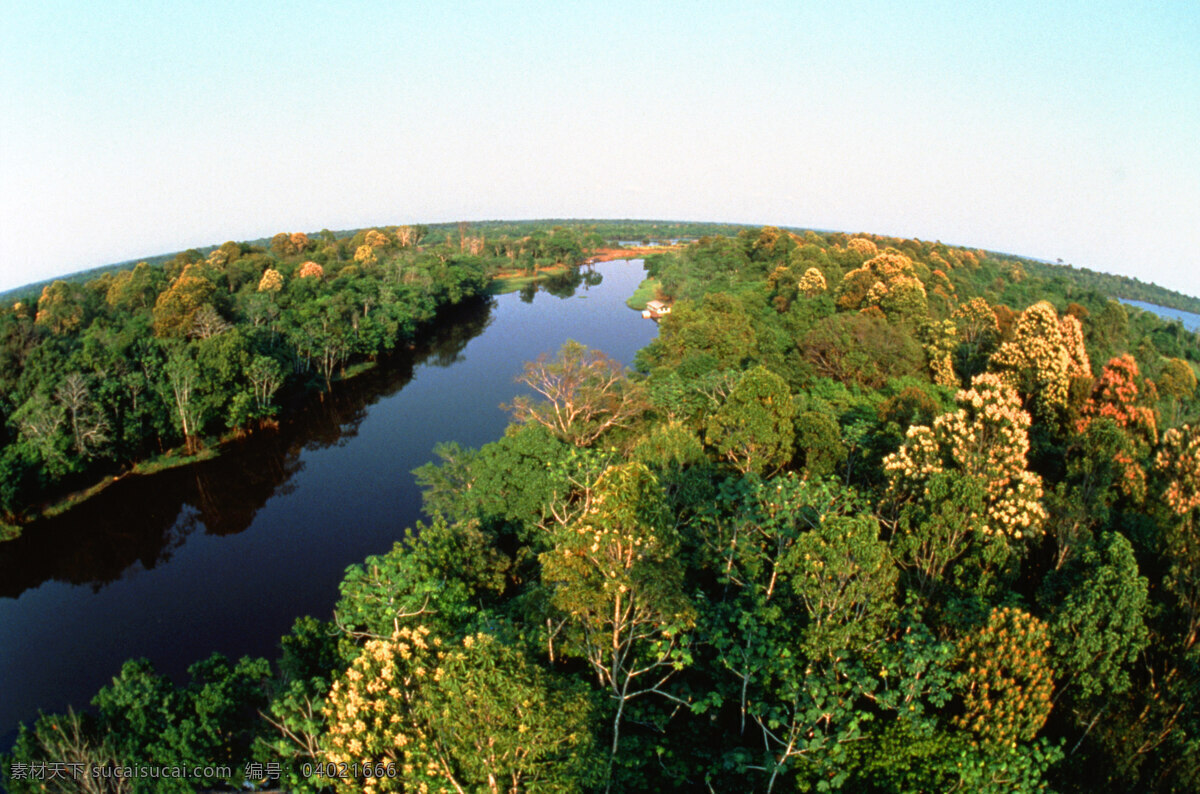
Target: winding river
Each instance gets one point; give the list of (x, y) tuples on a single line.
[(223, 555)]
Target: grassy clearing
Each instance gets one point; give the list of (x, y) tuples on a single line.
[(644, 293)]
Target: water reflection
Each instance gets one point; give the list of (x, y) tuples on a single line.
[(143, 519), (164, 566)]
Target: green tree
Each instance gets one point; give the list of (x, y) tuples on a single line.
[(754, 428), (614, 579), (819, 444), (209, 721), (843, 574), (1098, 628)]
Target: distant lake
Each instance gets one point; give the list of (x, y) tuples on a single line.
[(223, 555), (1190, 320)]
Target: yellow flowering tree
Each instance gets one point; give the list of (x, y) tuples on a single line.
[(987, 441), (271, 281), (862, 246), (371, 715), (812, 283), (365, 255), (413, 714), (1179, 462), (940, 338), (1045, 353), (886, 282), (176, 308)]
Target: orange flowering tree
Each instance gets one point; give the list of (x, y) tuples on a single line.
[(311, 270), (1045, 353), (1006, 680), (1116, 396), (300, 242), (987, 441)]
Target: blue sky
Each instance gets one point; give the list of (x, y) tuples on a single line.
[(1048, 129)]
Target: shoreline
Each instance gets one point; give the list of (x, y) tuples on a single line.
[(500, 284)]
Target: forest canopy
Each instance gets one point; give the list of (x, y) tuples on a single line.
[(869, 514)]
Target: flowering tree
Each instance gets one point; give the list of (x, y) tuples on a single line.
[(976, 322), (415, 714), (271, 281), (1046, 352), (311, 270), (176, 308), (886, 282), (614, 576), (862, 246), (299, 242), (1179, 462), (986, 440), (1006, 680), (370, 713), (812, 283), (60, 307), (365, 255), (940, 339), (1116, 396)]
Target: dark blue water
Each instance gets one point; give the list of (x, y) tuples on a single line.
[(225, 554)]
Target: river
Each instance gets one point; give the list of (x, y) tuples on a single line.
[(1190, 320), (223, 555)]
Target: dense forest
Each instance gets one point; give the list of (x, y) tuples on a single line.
[(150, 365), (871, 514)]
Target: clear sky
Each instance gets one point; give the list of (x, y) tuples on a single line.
[(1047, 129)]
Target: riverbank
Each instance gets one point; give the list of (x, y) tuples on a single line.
[(645, 292), (224, 555), (501, 284), (177, 457), (636, 252), (171, 459)]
